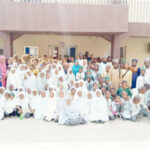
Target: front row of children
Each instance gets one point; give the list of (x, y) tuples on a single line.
[(77, 108)]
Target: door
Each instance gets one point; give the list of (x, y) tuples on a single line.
[(72, 52)]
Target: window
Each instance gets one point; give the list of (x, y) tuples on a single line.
[(31, 50), (1, 52)]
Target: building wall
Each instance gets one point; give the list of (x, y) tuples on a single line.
[(96, 45), (1, 43), (137, 48)]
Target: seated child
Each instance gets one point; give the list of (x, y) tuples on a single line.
[(124, 87)]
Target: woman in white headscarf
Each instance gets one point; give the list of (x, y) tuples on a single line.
[(50, 109), (99, 110), (54, 78), (13, 79), (21, 73), (30, 80), (60, 70), (40, 106)]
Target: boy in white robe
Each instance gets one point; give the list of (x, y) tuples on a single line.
[(142, 79), (126, 106), (111, 106), (69, 115), (139, 108)]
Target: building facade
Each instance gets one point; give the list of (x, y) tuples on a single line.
[(120, 28)]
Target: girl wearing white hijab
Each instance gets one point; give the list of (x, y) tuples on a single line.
[(99, 112), (2, 90), (41, 81), (54, 78), (40, 106), (70, 75), (70, 115), (83, 86), (21, 73), (33, 102), (10, 105), (80, 102), (50, 108), (30, 80), (22, 105), (13, 79), (3, 100)]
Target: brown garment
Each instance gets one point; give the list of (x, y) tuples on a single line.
[(114, 75)]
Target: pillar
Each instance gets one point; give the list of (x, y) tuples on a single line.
[(115, 47), (7, 44)]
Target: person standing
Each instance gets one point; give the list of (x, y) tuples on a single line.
[(135, 72), (3, 70)]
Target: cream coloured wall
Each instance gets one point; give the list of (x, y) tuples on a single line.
[(136, 48), (96, 45)]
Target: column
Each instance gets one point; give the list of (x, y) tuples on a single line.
[(115, 47), (7, 44)]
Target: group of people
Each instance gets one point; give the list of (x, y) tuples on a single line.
[(74, 91)]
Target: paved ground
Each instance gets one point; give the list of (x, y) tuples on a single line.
[(36, 133)]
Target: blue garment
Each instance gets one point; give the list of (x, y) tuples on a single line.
[(75, 69), (134, 78)]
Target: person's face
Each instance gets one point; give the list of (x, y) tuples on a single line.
[(1, 91), (11, 87), (51, 94), (76, 63), (12, 97), (107, 68), (81, 84), (7, 95), (21, 96), (29, 73), (89, 79), (113, 92), (68, 102), (56, 72), (143, 90), (103, 90), (104, 60), (43, 94), (29, 91), (134, 63), (147, 63), (42, 75), (107, 94), (96, 68), (13, 71), (95, 87), (124, 94), (73, 91), (126, 65), (79, 93), (89, 96), (22, 68), (76, 85), (61, 79), (70, 72), (98, 94), (34, 93), (47, 76), (116, 65), (143, 72)]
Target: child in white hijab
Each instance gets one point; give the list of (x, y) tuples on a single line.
[(10, 105), (13, 79), (70, 115), (99, 110), (50, 109)]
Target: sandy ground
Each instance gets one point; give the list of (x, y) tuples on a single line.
[(31, 134)]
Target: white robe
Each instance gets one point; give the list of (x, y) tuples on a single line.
[(99, 110)]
